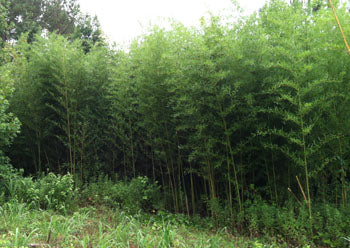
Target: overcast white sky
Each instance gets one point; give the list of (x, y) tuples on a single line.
[(122, 20)]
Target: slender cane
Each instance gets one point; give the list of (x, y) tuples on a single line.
[(340, 28)]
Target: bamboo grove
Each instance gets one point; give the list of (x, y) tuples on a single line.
[(219, 115)]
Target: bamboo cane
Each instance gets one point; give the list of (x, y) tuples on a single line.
[(340, 27)]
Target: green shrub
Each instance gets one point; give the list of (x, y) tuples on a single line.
[(330, 224), (131, 196), (138, 194), (219, 213), (48, 192), (99, 191), (56, 192), (10, 181)]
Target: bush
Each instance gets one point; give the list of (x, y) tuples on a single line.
[(48, 192), (56, 192), (330, 224), (99, 191), (10, 181), (132, 196), (138, 194)]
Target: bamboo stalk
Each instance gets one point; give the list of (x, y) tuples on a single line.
[(192, 191), (339, 26), (296, 198), (301, 189)]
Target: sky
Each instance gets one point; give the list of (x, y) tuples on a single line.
[(123, 20)]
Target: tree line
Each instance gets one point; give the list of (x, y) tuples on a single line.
[(219, 115)]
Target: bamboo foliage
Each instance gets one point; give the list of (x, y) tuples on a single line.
[(56, 87), (219, 115)]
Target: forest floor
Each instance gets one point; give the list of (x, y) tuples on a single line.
[(91, 227)]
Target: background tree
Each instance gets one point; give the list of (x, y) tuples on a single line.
[(61, 16), (9, 124)]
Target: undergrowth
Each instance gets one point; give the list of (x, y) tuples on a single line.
[(106, 227), (51, 210)]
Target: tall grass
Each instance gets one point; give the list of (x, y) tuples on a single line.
[(104, 227)]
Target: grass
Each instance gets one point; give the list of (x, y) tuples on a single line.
[(104, 227)]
